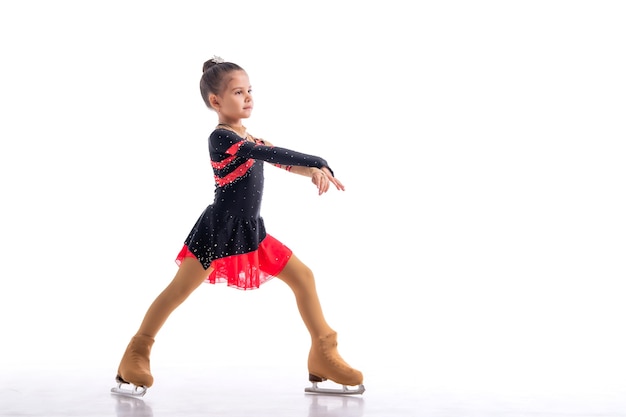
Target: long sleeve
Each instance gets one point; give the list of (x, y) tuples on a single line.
[(229, 144)]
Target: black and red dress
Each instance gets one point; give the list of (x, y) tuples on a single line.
[(230, 234)]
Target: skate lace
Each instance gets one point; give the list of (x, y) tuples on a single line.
[(331, 354)]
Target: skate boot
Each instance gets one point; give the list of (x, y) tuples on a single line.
[(134, 369), (325, 363)]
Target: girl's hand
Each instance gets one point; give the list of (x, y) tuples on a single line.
[(322, 178)]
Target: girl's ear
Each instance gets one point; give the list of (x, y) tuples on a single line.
[(213, 100)]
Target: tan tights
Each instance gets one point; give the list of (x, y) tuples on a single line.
[(301, 281), (191, 274)]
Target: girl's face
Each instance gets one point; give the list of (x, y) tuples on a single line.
[(235, 103)]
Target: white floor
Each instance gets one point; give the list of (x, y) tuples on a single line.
[(238, 392)]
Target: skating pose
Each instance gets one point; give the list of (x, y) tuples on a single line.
[(229, 242)]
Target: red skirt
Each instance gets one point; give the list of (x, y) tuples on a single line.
[(249, 270)]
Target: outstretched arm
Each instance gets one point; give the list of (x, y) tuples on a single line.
[(321, 177), (226, 142)]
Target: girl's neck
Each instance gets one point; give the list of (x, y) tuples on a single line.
[(237, 128)]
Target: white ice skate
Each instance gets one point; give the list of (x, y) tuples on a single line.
[(128, 389), (345, 390)]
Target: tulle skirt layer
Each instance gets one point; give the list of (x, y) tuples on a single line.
[(249, 270)]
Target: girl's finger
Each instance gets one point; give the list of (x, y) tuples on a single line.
[(338, 184)]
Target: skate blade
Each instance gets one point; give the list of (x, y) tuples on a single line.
[(132, 390), (345, 390)]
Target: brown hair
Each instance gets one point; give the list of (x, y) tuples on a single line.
[(213, 78)]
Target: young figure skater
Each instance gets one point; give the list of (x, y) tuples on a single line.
[(229, 243)]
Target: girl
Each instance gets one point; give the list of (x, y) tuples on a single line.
[(229, 243)]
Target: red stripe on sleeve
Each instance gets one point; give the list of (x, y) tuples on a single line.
[(237, 173)]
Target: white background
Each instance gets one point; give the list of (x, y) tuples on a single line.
[(480, 241)]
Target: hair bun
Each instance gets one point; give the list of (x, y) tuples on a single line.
[(211, 62), (208, 64)]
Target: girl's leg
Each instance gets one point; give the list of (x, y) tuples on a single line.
[(135, 364), (300, 279), (324, 360), (189, 276)]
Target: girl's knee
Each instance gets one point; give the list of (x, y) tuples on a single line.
[(297, 274), (303, 271), (307, 272)]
